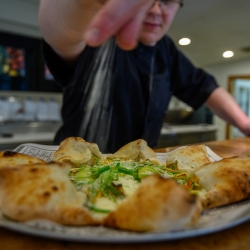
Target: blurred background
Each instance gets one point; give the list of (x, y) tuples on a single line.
[(30, 101)]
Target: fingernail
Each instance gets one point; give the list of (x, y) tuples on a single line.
[(92, 36)]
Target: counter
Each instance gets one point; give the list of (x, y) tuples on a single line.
[(9, 143), (231, 239), (186, 134), (14, 134), (44, 132)]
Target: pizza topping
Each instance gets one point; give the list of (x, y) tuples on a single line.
[(97, 209), (109, 181), (128, 183)]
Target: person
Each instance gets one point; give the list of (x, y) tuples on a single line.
[(147, 71)]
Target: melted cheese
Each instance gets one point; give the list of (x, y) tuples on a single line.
[(129, 186), (128, 183), (105, 203)]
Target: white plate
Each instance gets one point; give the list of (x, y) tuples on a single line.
[(211, 221)]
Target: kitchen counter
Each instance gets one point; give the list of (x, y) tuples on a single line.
[(231, 239), (185, 129), (174, 135), (7, 143), (44, 132), (16, 133)]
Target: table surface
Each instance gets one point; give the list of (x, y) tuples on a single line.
[(235, 238)]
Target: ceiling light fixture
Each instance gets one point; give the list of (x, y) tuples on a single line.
[(184, 41), (228, 54)]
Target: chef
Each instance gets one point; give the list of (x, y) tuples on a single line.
[(143, 73)]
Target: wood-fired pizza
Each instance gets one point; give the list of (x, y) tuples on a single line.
[(130, 189)]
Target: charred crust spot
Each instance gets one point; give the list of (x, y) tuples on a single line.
[(9, 153), (55, 188), (46, 194), (191, 199), (112, 221), (33, 170)]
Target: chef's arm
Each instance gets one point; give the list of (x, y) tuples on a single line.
[(221, 103), (68, 25)]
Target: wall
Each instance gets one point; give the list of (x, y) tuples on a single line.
[(14, 17), (221, 73)]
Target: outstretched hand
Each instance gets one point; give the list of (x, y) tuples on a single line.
[(122, 18)]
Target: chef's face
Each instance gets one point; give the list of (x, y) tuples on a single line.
[(158, 20)]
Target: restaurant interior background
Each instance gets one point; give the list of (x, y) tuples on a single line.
[(30, 101)]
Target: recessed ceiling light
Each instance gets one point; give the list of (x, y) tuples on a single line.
[(184, 41), (228, 54)]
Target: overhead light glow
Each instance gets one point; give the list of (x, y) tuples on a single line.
[(184, 41), (228, 54)]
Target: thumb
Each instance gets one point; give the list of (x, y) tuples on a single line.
[(119, 17)]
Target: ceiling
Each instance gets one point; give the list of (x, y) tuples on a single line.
[(214, 26)]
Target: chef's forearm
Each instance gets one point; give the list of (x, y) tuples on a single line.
[(223, 104)]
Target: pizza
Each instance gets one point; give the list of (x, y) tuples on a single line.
[(77, 151), (225, 182), (42, 191), (128, 190), (10, 158), (189, 158)]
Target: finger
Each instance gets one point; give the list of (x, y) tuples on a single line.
[(102, 1), (128, 35), (114, 16)]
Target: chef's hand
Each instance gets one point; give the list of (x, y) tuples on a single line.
[(246, 129), (122, 18)]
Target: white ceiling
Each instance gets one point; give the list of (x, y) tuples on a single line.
[(214, 26)]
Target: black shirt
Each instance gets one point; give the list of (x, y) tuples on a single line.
[(137, 101)]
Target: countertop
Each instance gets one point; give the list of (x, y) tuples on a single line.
[(187, 129), (27, 137), (231, 239), (15, 133)]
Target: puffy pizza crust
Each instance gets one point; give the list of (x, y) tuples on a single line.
[(11, 158), (135, 150), (225, 181), (189, 158), (158, 204), (77, 151), (42, 192)]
